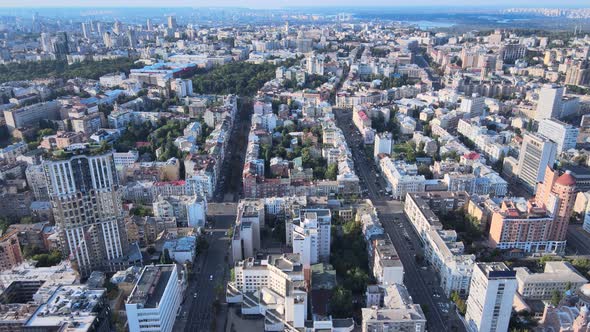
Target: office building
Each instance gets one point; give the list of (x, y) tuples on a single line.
[(491, 293), (537, 152), (549, 104), (563, 134), (473, 106), (84, 193), (558, 276), (10, 253), (172, 22), (155, 300)]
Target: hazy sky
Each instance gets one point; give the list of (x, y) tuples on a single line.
[(289, 3)]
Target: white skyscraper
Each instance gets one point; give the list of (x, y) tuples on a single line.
[(549, 104), (473, 105), (535, 154), (563, 134), (155, 299), (489, 304)]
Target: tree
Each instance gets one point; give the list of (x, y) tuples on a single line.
[(332, 172), (356, 280), (165, 257), (341, 302), (555, 298)]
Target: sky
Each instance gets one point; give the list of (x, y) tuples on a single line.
[(290, 3)]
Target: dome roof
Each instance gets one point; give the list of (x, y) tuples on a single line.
[(566, 179)]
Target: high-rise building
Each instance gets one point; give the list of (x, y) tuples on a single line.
[(172, 22), (85, 30), (558, 194), (474, 105), (489, 304), (578, 73), (563, 134), (536, 153), (149, 25), (309, 235), (118, 28), (549, 104), (155, 299), (84, 194), (60, 44)]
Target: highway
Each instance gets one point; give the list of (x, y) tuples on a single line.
[(421, 281)]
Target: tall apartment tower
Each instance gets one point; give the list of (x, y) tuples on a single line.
[(536, 153), (558, 194), (85, 197), (171, 22), (489, 304), (550, 102)]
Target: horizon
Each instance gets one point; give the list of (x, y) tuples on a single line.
[(285, 4)]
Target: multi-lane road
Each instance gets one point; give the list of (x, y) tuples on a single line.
[(420, 280), (209, 274)]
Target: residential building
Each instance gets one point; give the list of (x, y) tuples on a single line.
[(155, 300), (10, 252), (279, 280), (85, 196), (401, 177), (188, 210), (491, 293), (521, 224), (309, 233), (398, 313), (441, 248), (385, 263)]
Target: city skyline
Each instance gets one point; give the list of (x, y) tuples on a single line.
[(269, 4)]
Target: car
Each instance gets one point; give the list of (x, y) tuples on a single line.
[(210, 277)]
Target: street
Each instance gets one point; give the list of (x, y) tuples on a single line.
[(421, 281), (209, 273)]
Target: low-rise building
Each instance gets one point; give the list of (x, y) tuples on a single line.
[(557, 276)]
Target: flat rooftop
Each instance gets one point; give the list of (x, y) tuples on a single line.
[(151, 285), (71, 306)]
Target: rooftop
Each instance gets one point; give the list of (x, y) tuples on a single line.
[(73, 306), (151, 285)]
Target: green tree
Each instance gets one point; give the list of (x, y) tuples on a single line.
[(555, 298), (341, 302), (165, 257), (331, 172)]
